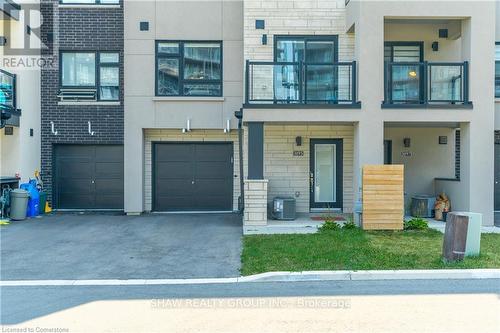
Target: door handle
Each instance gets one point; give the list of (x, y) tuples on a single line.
[(311, 181)]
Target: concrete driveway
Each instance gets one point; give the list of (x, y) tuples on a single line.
[(93, 246)]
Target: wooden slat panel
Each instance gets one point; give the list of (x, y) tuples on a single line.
[(383, 197)]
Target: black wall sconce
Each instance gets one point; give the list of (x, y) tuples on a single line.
[(298, 141), (435, 46), (406, 142), (264, 39)]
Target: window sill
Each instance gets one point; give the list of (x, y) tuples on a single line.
[(428, 106), (187, 99), (110, 103), (87, 6), (447, 179)]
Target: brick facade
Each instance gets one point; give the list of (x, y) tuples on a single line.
[(78, 29)]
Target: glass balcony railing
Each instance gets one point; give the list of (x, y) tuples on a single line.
[(291, 84), (426, 83)]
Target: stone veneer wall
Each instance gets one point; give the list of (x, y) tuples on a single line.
[(294, 17), (288, 175), (154, 135)]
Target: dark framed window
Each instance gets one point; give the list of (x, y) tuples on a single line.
[(91, 70), (497, 69), (89, 2), (306, 68), (188, 68), (7, 90), (307, 49)]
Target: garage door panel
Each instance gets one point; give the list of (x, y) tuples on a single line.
[(109, 154), (109, 169), (212, 169), (108, 186), (173, 152), (178, 164), (176, 187), (212, 152), (88, 177), (76, 200), (110, 200), (72, 168), (166, 170), (167, 203), (212, 203), (75, 186)]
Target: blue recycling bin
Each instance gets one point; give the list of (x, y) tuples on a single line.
[(34, 199)]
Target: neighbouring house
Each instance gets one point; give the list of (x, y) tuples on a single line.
[(19, 94), (82, 104), (219, 105)]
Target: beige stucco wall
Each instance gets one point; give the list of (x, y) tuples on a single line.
[(288, 175), (428, 160), (175, 20), (21, 152), (450, 49), (157, 135)]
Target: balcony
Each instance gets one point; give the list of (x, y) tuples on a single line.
[(300, 85), (426, 85)]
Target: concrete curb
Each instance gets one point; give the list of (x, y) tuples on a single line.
[(373, 275)]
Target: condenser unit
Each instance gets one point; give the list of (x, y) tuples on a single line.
[(283, 208)]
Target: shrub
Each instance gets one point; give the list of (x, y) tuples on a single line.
[(329, 225), (416, 224), (349, 225)]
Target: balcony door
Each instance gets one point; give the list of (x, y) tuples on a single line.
[(404, 71), (307, 70)]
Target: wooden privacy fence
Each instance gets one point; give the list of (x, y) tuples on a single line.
[(383, 197)]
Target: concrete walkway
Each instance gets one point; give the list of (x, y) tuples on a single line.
[(70, 246)]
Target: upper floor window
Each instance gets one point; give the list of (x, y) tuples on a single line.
[(89, 2), (90, 75), (497, 70), (185, 68), (308, 49), (7, 90)]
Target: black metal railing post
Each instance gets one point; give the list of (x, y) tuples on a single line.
[(426, 83), (354, 91), (466, 82), (247, 81)]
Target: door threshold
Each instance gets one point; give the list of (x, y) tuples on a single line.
[(325, 210)]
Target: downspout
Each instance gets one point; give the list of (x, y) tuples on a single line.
[(239, 116)]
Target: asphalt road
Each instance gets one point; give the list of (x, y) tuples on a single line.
[(333, 306)]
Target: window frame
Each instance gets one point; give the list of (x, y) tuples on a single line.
[(94, 3), (305, 39), (497, 78), (97, 71), (180, 57)]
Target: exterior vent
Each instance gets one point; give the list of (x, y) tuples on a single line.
[(69, 94)]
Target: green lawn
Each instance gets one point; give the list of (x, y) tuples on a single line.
[(357, 250)]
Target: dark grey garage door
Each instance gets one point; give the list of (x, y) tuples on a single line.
[(192, 176), (88, 177)]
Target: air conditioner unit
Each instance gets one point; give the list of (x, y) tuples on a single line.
[(422, 205), (283, 208)]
